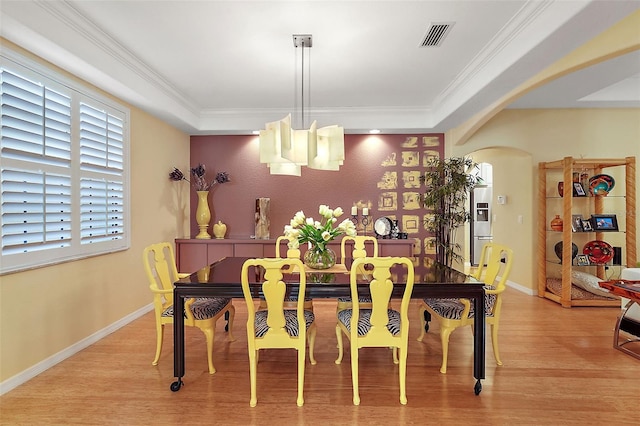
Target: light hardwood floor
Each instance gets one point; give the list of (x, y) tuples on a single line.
[(559, 368)]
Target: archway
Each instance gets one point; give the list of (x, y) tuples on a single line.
[(513, 219)]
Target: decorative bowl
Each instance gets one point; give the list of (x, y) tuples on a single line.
[(601, 184), (558, 249), (598, 252)]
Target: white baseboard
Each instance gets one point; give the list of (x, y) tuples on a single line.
[(521, 288), (44, 365)]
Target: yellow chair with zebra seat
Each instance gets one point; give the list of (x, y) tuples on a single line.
[(290, 301), (363, 246), (494, 268), (378, 326), (277, 327), (201, 312)]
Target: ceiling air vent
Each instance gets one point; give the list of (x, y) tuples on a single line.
[(435, 34)]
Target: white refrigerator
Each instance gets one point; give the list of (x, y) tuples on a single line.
[(481, 213)]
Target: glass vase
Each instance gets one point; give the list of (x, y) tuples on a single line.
[(318, 258)]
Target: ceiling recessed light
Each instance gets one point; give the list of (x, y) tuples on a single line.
[(374, 131)]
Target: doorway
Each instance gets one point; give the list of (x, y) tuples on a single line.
[(481, 223)]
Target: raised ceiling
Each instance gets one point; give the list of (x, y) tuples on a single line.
[(227, 67)]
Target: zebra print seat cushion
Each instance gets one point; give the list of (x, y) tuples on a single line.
[(452, 308), (360, 300), (290, 319), (203, 307), (364, 321)]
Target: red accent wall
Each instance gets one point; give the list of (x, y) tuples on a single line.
[(379, 172)]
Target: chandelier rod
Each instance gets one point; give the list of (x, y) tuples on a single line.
[(304, 125), (303, 41)]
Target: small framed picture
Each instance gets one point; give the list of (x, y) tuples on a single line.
[(576, 223), (578, 190), (586, 225), (604, 222), (582, 260)]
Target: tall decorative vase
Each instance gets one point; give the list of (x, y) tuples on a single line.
[(319, 258), (203, 214)]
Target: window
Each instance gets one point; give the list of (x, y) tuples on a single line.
[(64, 168)]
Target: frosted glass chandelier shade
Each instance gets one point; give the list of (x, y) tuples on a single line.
[(286, 150)]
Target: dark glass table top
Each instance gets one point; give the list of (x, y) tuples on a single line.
[(226, 272)]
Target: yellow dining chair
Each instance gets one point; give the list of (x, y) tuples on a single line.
[(493, 270), (379, 326), (291, 301), (291, 253), (361, 244), (277, 327), (202, 312)]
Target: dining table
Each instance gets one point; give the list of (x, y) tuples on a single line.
[(432, 280)]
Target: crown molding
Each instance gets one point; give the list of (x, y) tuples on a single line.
[(84, 27)]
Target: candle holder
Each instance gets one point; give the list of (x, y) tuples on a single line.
[(365, 221)]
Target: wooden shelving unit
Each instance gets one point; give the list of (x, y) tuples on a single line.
[(550, 173)]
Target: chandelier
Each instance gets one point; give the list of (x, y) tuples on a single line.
[(285, 150)]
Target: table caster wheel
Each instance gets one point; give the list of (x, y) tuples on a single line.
[(175, 386), (477, 388)]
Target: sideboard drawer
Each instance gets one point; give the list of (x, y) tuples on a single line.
[(218, 251), (249, 250), (191, 257), (400, 248)]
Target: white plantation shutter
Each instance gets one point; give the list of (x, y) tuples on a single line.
[(101, 141), (36, 122), (36, 211), (102, 200), (102, 210), (62, 172)]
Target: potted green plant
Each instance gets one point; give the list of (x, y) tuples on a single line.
[(448, 182)]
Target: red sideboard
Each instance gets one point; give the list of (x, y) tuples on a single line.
[(192, 254)]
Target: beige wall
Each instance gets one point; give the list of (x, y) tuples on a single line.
[(515, 141), (47, 310)]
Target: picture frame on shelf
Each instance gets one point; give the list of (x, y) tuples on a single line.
[(578, 190), (576, 223), (604, 222), (582, 260), (586, 225)]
